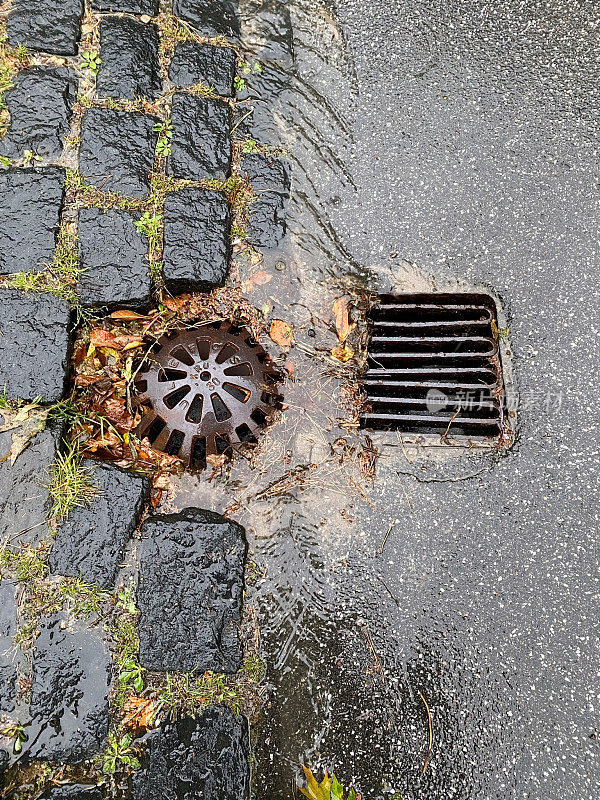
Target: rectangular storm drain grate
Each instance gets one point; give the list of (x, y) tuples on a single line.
[(434, 366)]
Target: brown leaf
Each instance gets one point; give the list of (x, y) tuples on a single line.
[(124, 340), (342, 353), (281, 333), (138, 712), (87, 380), (125, 313), (215, 461), (175, 303), (256, 279), (102, 338), (342, 321), (261, 277), (116, 412)]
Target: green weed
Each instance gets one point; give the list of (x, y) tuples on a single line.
[(119, 755), (91, 61), (165, 135), (150, 225)]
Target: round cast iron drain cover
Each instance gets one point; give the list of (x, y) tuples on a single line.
[(206, 391)]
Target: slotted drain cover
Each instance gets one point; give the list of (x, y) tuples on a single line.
[(207, 391), (434, 366)]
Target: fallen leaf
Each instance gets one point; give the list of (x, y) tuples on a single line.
[(138, 712), (342, 353), (24, 429), (290, 368), (342, 321), (215, 461), (261, 277), (175, 303), (281, 333), (116, 412), (125, 313), (87, 380), (125, 339), (102, 338)]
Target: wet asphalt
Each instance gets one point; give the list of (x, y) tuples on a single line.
[(474, 158)]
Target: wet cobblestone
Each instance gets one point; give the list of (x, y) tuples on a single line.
[(34, 345), (196, 240), (208, 755), (74, 792), (117, 150), (69, 695), (190, 592), (203, 63), (201, 144), (91, 542), (30, 205), (53, 26), (40, 106), (210, 17), (149, 7), (8, 658), (130, 66), (113, 257), (270, 179), (25, 500)]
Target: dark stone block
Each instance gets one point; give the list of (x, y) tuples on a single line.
[(201, 144), (270, 180), (210, 17), (208, 756), (40, 105), (190, 592), (30, 206), (149, 7), (34, 345), (130, 67), (196, 240), (113, 254), (77, 791), (8, 664), (91, 542), (117, 150), (204, 63), (50, 25), (24, 497), (69, 695)]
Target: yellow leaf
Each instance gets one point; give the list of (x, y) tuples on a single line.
[(342, 353), (281, 333), (342, 320)]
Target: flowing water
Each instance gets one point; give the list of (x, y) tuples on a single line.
[(333, 700)]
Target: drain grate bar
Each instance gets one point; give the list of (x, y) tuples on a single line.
[(434, 362)]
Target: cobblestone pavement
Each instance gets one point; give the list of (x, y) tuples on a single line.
[(118, 164)]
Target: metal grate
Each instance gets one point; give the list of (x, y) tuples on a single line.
[(205, 392), (434, 366)]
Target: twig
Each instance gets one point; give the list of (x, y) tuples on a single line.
[(375, 656), (430, 747), (385, 538), (454, 416)]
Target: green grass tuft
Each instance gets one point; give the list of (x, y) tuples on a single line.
[(70, 485)]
